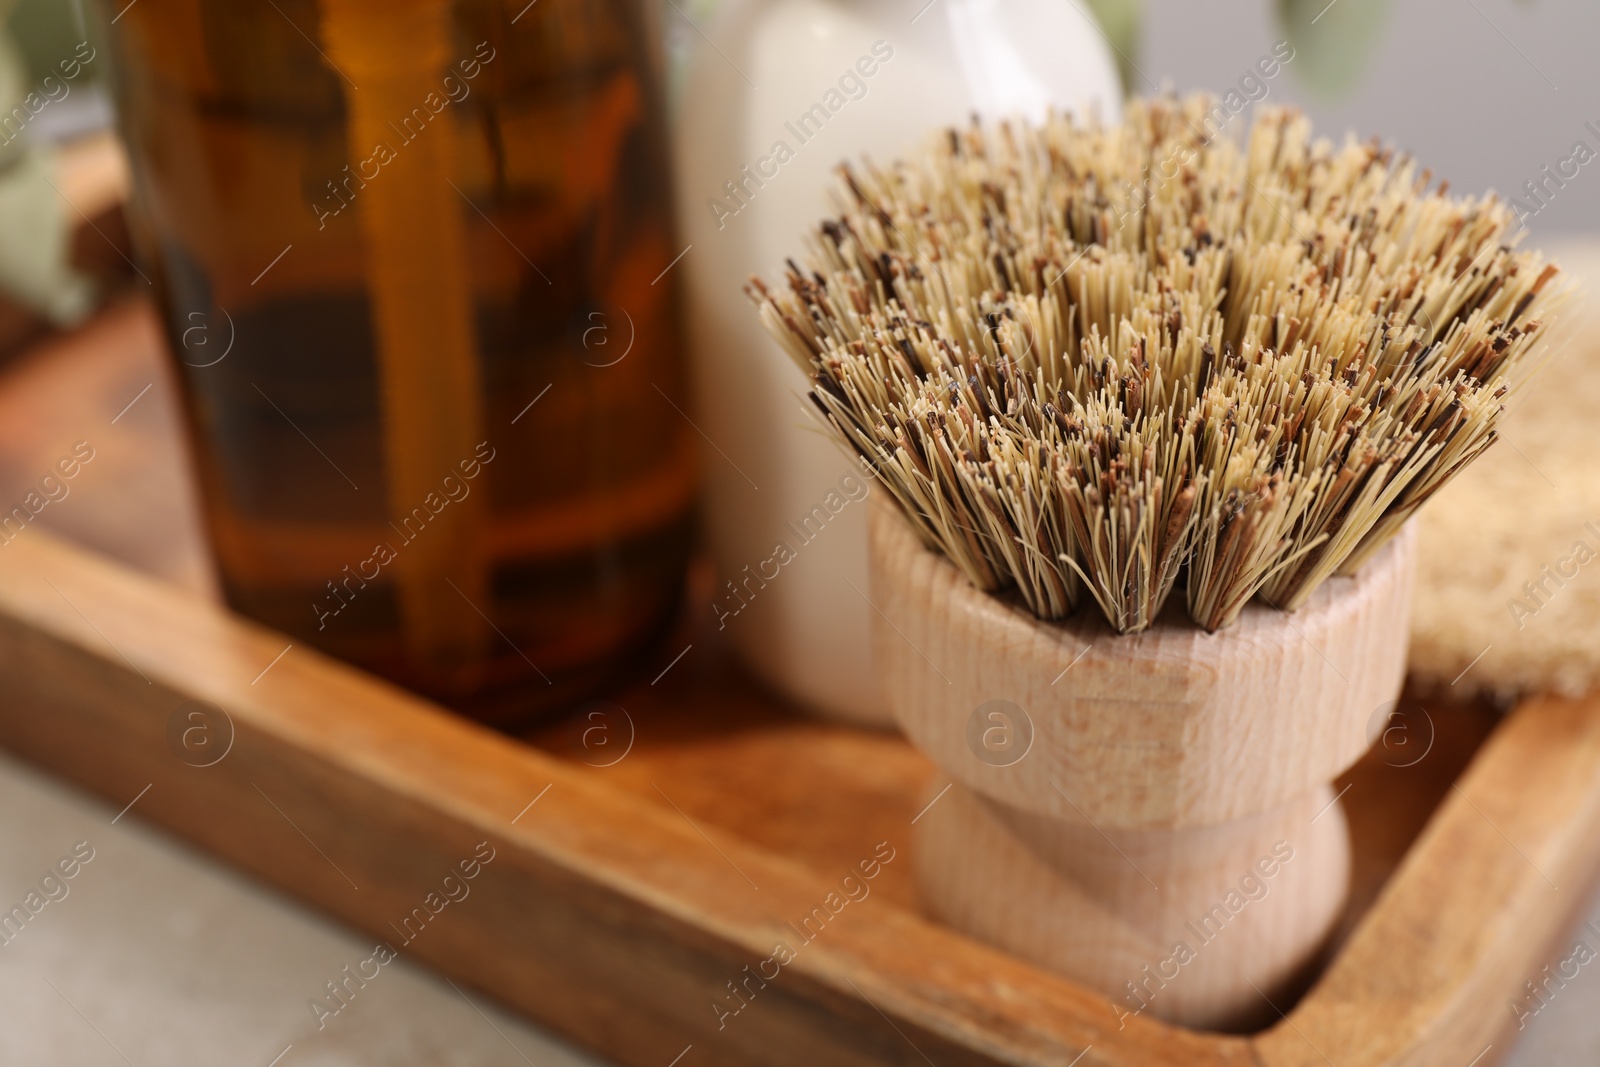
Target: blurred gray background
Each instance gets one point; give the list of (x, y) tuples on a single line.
[(1486, 92)]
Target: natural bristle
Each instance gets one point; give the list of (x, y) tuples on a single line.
[(1097, 363)]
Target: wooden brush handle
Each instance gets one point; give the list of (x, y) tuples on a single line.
[(1111, 790), (1194, 926)]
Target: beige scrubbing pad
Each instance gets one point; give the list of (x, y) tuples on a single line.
[(1508, 582)]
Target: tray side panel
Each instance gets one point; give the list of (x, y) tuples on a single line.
[(1429, 974), (607, 918)]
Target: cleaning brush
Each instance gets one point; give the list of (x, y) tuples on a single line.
[(1095, 363)]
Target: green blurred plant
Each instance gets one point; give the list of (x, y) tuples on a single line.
[(35, 230), (46, 30), (1333, 41), (1121, 22)]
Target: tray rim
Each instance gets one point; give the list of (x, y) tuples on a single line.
[(152, 645)]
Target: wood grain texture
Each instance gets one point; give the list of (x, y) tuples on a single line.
[(1171, 727), (612, 917), (1157, 823), (109, 384), (600, 906), (1193, 933), (617, 921), (1430, 975)]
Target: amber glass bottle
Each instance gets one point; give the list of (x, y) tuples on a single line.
[(410, 256)]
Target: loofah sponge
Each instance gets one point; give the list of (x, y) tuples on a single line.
[(1508, 580)]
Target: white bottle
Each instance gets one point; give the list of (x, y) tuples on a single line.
[(778, 94)]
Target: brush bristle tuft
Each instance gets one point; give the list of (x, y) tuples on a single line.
[(1096, 363)]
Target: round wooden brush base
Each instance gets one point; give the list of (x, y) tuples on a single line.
[(1149, 814), (1174, 923)]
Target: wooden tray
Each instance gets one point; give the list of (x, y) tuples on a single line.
[(623, 899)]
